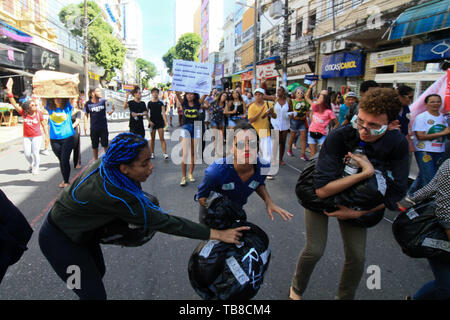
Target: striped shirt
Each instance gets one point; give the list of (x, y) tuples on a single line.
[(440, 187)]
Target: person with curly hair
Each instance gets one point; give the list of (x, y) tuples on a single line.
[(377, 113)]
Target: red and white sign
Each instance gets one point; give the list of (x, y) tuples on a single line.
[(266, 71)]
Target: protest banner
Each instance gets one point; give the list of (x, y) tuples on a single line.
[(190, 76)]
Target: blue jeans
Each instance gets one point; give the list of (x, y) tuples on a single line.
[(438, 289), (428, 165)]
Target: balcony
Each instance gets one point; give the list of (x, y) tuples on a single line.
[(301, 46)]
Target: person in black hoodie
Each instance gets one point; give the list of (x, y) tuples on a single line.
[(377, 114)]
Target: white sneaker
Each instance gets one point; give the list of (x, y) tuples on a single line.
[(152, 156), (166, 156)]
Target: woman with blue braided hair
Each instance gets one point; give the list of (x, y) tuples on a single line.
[(106, 196)]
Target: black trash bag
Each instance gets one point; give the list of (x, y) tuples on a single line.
[(419, 234), (120, 233), (221, 212), (222, 271), (306, 192), (365, 195)]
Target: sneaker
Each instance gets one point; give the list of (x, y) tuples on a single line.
[(183, 182), (270, 178), (289, 153), (152, 156), (294, 146), (303, 157), (191, 178), (45, 152), (166, 156)]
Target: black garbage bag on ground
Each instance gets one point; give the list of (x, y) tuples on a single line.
[(221, 212), (222, 271), (120, 233), (306, 191), (419, 234), (365, 195)]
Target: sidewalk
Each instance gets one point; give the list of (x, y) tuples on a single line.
[(10, 135)]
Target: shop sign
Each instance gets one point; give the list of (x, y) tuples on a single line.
[(266, 71), (391, 57), (236, 78), (38, 58), (343, 64), (247, 76), (299, 70), (436, 50)]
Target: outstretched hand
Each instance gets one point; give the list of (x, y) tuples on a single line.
[(272, 207)]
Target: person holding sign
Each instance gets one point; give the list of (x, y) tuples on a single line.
[(191, 105)]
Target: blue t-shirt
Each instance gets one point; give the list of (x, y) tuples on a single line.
[(342, 113), (222, 178), (97, 113), (60, 122)]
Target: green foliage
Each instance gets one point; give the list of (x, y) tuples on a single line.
[(168, 59), (104, 49), (187, 49), (148, 68)]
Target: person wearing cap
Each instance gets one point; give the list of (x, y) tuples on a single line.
[(349, 103), (259, 114)]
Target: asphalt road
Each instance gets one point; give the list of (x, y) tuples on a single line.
[(158, 270)]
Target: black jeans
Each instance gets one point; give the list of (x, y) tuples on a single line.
[(62, 149), (76, 148), (63, 253)]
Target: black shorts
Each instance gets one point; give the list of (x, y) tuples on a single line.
[(99, 136), (158, 125)]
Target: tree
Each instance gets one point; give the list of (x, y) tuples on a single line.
[(168, 59), (187, 48), (148, 68), (104, 49)]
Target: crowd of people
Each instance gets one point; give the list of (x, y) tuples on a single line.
[(324, 121)]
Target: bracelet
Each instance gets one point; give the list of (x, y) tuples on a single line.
[(10, 95)]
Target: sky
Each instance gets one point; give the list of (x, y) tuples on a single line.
[(158, 24)]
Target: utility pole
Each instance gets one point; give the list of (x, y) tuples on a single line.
[(85, 56), (255, 44), (286, 39)]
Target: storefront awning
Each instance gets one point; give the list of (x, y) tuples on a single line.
[(15, 73), (408, 77), (426, 17)]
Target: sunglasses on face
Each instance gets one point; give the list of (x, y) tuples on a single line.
[(253, 144), (372, 129)]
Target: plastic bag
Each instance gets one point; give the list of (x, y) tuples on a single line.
[(306, 191), (221, 212), (365, 195), (222, 271), (419, 233)]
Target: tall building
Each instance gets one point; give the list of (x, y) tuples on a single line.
[(133, 39), (211, 27)]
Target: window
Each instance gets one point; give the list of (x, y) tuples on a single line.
[(37, 10), (299, 29), (8, 6), (312, 22)]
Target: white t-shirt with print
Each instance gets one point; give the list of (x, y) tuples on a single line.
[(429, 124)]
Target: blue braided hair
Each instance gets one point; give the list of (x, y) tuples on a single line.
[(124, 149)]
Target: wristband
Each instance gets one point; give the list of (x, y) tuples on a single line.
[(10, 95)]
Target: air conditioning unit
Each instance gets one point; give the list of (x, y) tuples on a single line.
[(339, 45), (276, 10), (326, 47)]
